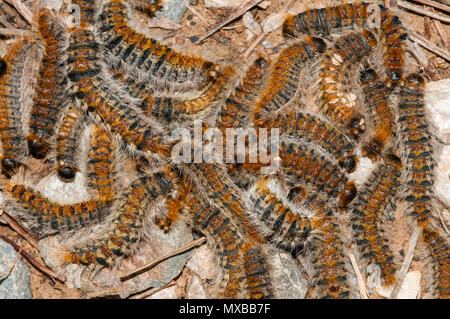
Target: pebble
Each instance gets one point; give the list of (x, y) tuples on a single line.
[(17, 284)]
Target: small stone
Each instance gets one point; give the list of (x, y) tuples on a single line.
[(250, 23), (194, 38), (289, 282), (224, 3), (167, 293), (203, 263), (411, 286), (195, 290), (17, 284), (266, 44), (173, 10)]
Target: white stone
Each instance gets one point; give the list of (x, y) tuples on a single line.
[(411, 286), (224, 3), (437, 101), (250, 23)]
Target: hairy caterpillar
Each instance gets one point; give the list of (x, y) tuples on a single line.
[(274, 217), (46, 104), (225, 236), (68, 135), (326, 20), (347, 50), (284, 78), (314, 169), (313, 128), (376, 102), (11, 133), (367, 213), (129, 222), (326, 252), (163, 66), (237, 106), (100, 167)]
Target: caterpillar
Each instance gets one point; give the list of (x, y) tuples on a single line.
[(274, 217), (87, 12), (100, 166), (150, 7), (258, 280), (326, 20), (315, 129), (376, 102), (227, 240), (160, 64), (48, 217), (317, 171), (218, 187), (49, 86), (128, 224), (68, 135), (237, 106), (416, 141), (367, 212), (170, 109), (89, 86), (441, 255), (244, 265), (11, 132), (284, 78), (348, 50), (326, 255), (393, 38)]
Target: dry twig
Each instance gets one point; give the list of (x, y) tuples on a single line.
[(434, 4), (23, 10), (5, 275), (430, 46), (148, 266), (152, 291), (47, 271), (361, 283), (425, 12), (239, 12), (15, 32), (19, 229), (407, 262)]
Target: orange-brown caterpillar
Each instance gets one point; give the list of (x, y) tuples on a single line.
[(258, 280), (393, 38), (275, 219), (313, 128), (326, 20), (237, 106), (50, 217), (88, 85), (11, 134), (100, 167), (87, 12), (150, 7), (68, 136), (227, 240), (416, 142), (284, 78), (304, 165), (171, 109), (162, 65), (377, 105), (348, 50), (326, 253), (367, 213), (440, 253), (47, 97), (129, 222)]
